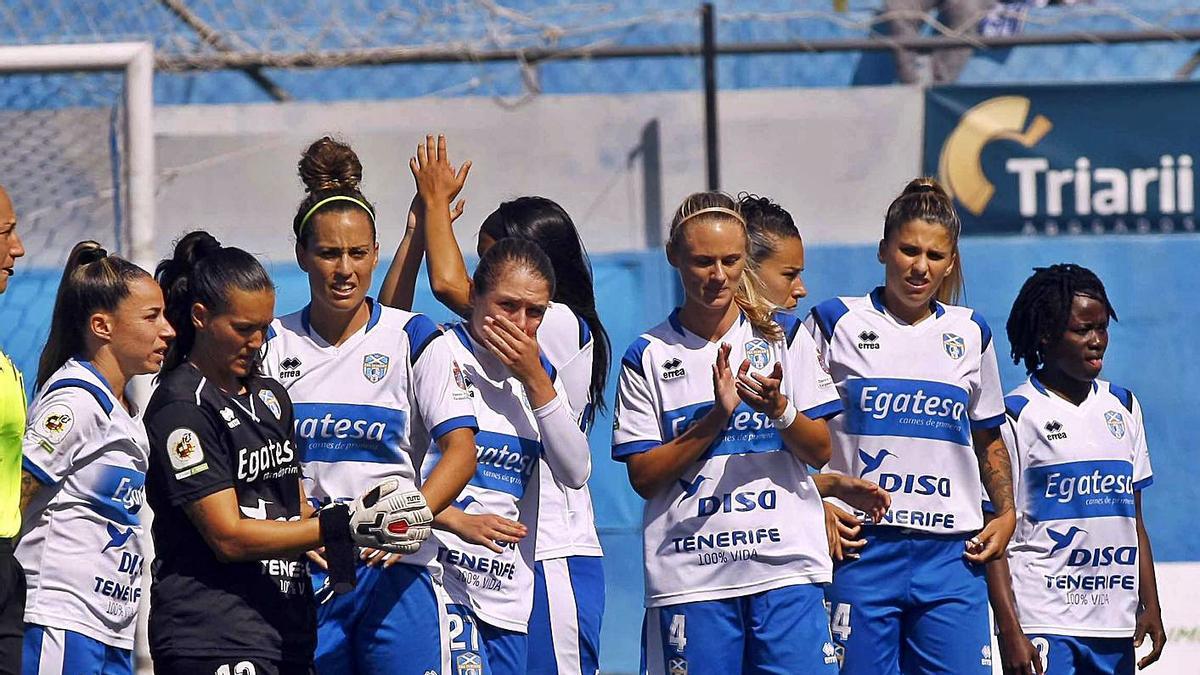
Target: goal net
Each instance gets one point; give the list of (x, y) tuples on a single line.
[(77, 162)]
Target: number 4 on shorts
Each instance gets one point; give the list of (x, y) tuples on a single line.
[(839, 621), (678, 633)]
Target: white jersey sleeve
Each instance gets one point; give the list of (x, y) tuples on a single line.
[(1143, 475), (567, 343), (564, 445), (61, 425), (986, 408), (441, 395), (806, 384), (636, 427)]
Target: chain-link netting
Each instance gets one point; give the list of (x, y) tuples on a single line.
[(214, 51), (61, 165)]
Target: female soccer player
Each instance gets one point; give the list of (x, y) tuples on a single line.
[(87, 451), (231, 592), (372, 386), (777, 258), (923, 407), (564, 631), (526, 426), (734, 538), (1081, 564), (13, 483)]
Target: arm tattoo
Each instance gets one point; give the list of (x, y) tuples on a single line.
[(995, 470), (29, 488)]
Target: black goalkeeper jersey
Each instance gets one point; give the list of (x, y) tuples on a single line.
[(203, 441)]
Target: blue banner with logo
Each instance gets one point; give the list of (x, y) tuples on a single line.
[(1066, 159)]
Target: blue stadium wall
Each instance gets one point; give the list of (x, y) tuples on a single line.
[(1151, 281)]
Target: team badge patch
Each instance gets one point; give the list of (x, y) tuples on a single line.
[(187, 457), (954, 345), (677, 666), (271, 401), (1116, 423), (469, 664), (54, 425), (375, 366), (757, 352)]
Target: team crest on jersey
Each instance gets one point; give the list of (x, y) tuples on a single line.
[(187, 457), (954, 345), (1116, 423), (271, 401), (462, 381), (54, 425), (677, 666), (375, 366), (757, 352), (469, 663)]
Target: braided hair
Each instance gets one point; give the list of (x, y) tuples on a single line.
[(1042, 309)]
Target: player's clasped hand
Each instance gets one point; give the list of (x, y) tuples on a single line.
[(761, 392), (391, 520), (991, 541), (725, 393)]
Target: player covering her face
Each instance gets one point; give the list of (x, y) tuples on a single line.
[(1058, 329), (107, 326), (572, 339)]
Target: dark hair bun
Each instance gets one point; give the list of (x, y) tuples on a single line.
[(924, 184), (330, 165)]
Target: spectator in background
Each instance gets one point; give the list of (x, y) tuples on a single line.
[(904, 20)]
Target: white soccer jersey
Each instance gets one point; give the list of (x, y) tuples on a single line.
[(746, 517), (368, 409), (912, 396), (514, 444), (566, 521), (82, 542), (1074, 555)]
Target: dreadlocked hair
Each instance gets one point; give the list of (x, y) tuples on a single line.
[(1042, 309)]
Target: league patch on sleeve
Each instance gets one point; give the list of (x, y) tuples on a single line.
[(52, 426), (187, 457)]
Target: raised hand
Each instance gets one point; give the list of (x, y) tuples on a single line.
[(438, 183), (513, 347)]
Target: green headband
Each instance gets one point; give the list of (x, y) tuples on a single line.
[(335, 198)]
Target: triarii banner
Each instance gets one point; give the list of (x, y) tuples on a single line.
[(1069, 159)]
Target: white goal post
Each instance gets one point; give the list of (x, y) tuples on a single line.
[(136, 60)]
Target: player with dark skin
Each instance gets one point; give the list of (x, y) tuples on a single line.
[(1070, 364)]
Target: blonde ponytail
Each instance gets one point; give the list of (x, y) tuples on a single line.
[(759, 311)]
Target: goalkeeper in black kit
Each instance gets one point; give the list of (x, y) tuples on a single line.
[(231, 593)]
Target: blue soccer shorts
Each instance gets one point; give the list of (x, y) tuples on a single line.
[(777, 632), (911, 604), (564, 628), (1064, 655), (56, 651), (394, 615)]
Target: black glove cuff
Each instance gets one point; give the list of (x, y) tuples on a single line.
[(339, 546)]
